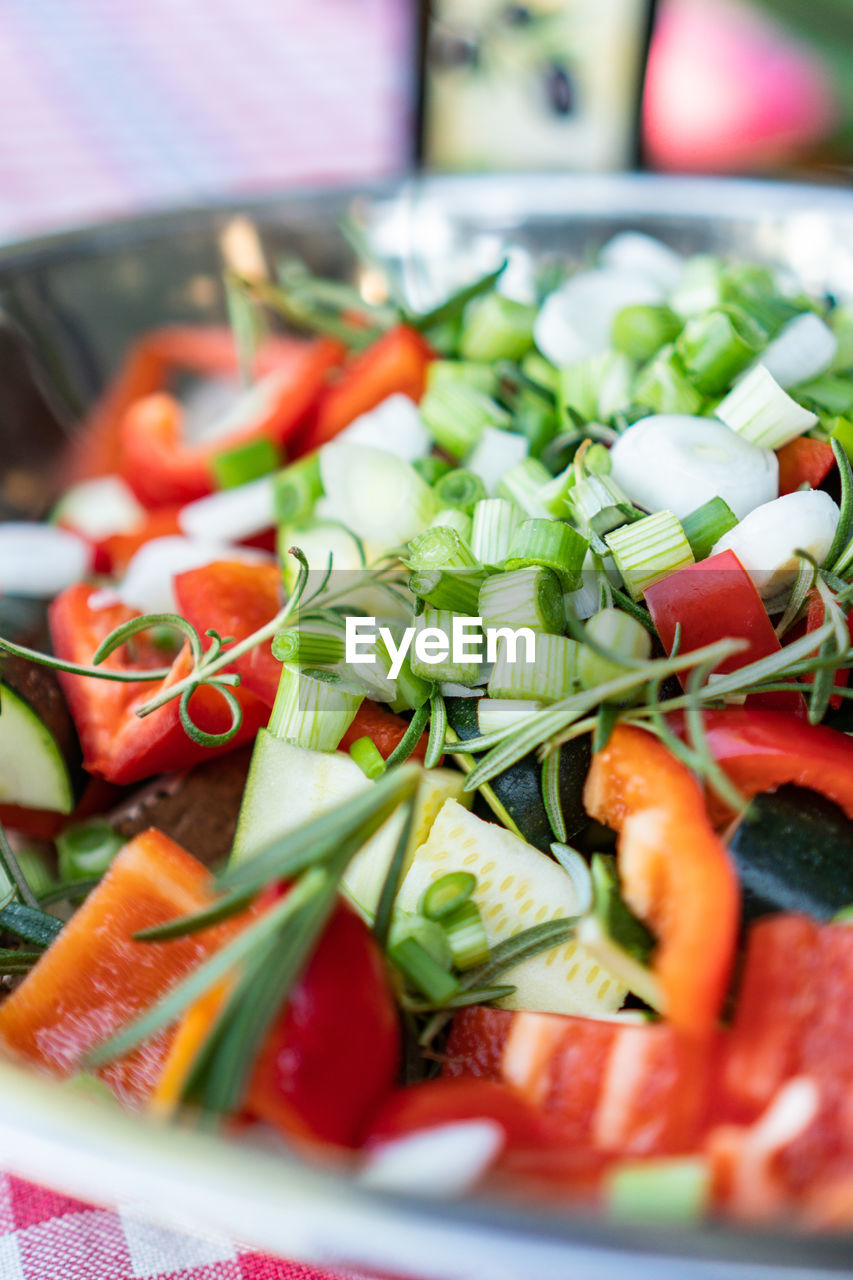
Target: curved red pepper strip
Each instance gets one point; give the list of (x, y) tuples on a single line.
[(676, 874), (763, 750)]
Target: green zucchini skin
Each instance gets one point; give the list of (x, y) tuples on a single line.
[(794, 852), (519, 788)]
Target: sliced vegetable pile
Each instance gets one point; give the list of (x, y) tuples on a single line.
[(485, 672)]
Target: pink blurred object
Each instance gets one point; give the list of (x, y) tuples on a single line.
[(729, 89)]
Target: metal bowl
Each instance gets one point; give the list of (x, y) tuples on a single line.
[(69, 306)]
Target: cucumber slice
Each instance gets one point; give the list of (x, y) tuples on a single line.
[(288, 786), (517, 886), (33, 770)]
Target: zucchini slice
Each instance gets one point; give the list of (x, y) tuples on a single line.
[(519, 788), (33, 769), (517, 886), (793, 851)]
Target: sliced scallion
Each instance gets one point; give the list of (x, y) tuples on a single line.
[(598, 504), (549, 544), (312, 708), (665, 386), (761, 412), (649, 550), (422, 971), (522, 483), (704, 527), (447, 893), (639, 331), (496, 328), (466, 935), (368, 757), (436, 636), (529, 597), (611, 632), (456, 416), (314, 643), (296, 490), (548, 677), (459, 488), (440, 548), (456, 590), (244, 462), (714, 351), (453, 518), (495, 714), (87, 850), (493, 525), (431, 468)]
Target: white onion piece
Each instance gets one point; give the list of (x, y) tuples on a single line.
[(444, 1161), (100, 507), (805, 348), (207, 403), (674, 462), (375, 494), (395, 425), (40, 560), (231, 514), (147, 583), (643, 255), (448, 689), (576, 320), (765, 541), (495, 452)]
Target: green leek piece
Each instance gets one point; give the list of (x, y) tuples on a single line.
[(640, 331), (496, 328), (551, 674), (296, 490), (313, 708), (549, 544), (704, 527), (648, 550), (529, 597)]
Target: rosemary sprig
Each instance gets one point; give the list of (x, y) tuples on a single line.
[(515, 743), (551, 798), (839, 558), (18, 885), (393, 877), (437, 730)]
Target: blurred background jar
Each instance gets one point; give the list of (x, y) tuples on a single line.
[(547, 84)]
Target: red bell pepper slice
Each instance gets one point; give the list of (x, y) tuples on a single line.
[(675, 872), (804, 461), (396, 363), (237, 599), (792, 1021), (161, 468), (597, 1085), (94, 979), (763, 750), (117, 744), (716, 600), (149, 366)]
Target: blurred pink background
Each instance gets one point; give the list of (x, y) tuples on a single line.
[(111, 106)]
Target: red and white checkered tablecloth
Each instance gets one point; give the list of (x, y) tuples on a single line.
[(47, 1236)]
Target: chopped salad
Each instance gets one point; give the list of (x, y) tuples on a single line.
[(439, 747)]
